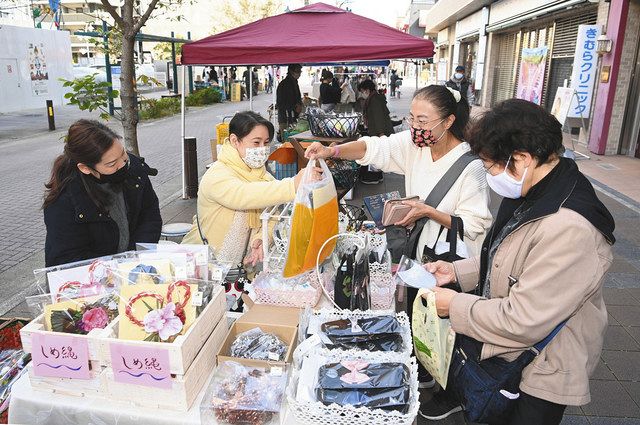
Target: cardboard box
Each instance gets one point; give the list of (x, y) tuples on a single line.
[(280, 321)]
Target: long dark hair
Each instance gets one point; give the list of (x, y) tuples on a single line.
[(243, 123), (445, 102), (85, 143)]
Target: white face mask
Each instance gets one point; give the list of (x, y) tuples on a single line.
[(458, 75), (505, 185), (256, 157)]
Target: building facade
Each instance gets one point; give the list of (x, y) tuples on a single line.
[(497, 41)]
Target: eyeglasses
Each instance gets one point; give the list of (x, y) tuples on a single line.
[(421, 123), (486, 169)]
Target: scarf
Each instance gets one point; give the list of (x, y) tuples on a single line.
[(230, 157)]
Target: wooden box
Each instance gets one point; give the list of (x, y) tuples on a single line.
[(185, 387), (280, 321), (185, 348), (94, 387)]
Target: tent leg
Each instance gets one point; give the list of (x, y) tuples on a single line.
[(250, 89), (273, 97), (182, 130), (386, 78), (416, 65)]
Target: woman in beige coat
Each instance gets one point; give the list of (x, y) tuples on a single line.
[(542, 263)]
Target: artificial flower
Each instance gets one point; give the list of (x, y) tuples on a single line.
[(95, 318), (163, 321)]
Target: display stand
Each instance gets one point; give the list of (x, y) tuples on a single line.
[(578, 155)]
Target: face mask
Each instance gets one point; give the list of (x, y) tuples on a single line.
[(423, 138), (117, 177), (505, 185), (256, 157), (458, 75)]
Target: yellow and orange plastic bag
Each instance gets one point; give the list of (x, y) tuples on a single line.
[(314, 221)]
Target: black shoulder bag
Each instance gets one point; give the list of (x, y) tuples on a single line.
[(457, 230), (403, 241)]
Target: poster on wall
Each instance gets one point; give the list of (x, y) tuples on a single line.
[(531, 79), (561, 103), (441, 72), (38, 69), (585, 69)]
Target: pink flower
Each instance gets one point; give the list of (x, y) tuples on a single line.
[(96, 318), (163, 321)]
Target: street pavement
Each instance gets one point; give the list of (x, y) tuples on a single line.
[(26, 162)]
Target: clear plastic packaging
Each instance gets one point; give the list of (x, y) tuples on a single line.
[(362, 384), (379, 333), (196, 258), (244, 395), (412, 273), (258, 345), (299, 291)]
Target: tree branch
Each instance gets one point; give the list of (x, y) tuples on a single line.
[(113, 12), (143, 19)]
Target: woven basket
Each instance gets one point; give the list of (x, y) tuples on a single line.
[(289, 297), (322, 124)]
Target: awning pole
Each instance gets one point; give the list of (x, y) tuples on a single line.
[(182, 122), (273, 96), (250, 88), (386, 77)]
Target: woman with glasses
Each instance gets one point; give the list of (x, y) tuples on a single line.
[(423, 154), (541, 268)]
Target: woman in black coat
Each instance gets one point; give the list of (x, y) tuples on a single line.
[(99, 200)]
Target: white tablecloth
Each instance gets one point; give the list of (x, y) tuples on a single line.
[(32, 407)]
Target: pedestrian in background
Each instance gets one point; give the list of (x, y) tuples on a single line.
[(459, 81), (99, 199), (288, 98), (330, 91)]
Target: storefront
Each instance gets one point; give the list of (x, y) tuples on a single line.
[(512, 32)]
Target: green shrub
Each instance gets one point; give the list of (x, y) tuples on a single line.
[(203, 97), (159, 108)]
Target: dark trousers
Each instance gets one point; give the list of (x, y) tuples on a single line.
[(532, 410)]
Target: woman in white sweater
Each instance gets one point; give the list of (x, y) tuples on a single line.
[(423, 155)]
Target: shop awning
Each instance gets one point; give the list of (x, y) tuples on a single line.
[(317, 33)]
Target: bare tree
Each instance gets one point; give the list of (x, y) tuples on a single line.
[(241, 12), (129, 21)]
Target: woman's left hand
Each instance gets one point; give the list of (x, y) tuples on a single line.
[(443, 300), (256, 255), (418, 211)]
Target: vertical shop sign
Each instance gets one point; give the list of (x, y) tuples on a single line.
[(584, 70)]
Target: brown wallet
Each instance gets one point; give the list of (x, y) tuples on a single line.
[(394, 211)]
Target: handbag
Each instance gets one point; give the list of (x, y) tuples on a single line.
[(403, 241), (235, 280), (489, 389), (457, 230)]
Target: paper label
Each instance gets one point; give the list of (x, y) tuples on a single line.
[(180, 272), (196, 299), (201, 258), (276, 371), (216, 273), (274, 357), (140, 365), (60, 356), (355, 328)]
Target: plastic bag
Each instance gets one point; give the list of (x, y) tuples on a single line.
[(413, 274), (379, 333), (359, 383), (433, 337), (244, 395), (197, 258), (314, 221), (258, 345)]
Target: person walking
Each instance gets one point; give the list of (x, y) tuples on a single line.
[(458, 81), (288, 98)]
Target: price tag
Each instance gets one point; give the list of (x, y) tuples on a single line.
[(140, 365), (60, 356), (201, 258), (276, 371), (180, 272), (274, 357), (216, 273), (196, 300), (355, 328)]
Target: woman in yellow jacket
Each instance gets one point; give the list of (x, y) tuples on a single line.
[(236, 189)]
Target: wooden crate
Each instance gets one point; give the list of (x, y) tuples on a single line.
[(185, 387), (94, 387), (37, 326), (185, 348)]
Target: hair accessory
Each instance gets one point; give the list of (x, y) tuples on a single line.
[(456, 94)]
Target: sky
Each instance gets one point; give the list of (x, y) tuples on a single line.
[(385, 11)]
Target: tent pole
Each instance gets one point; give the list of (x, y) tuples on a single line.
[(386, 78), (273, 97), (182, 122), (250, 88), (416, 65)]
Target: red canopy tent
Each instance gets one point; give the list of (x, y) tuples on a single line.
[(313, 34)]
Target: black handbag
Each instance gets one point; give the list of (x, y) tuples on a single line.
[(403, 241), (457, 230), (488, 389)]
